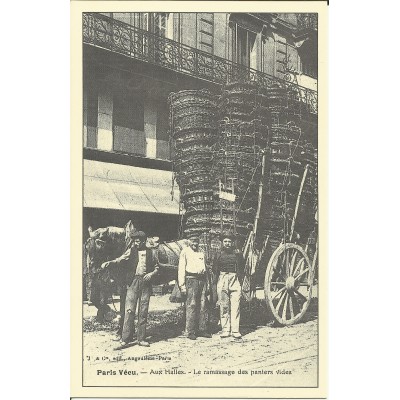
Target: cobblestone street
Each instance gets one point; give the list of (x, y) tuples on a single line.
[(267, 356)]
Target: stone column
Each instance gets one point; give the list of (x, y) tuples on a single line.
[(105, 112), (150, 127)]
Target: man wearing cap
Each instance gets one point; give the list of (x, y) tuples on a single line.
[(192, 282), (142, 267), (228, 265)]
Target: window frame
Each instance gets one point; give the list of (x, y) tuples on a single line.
[(235, 52)]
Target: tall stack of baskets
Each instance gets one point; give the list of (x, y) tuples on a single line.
[(193, 127), (219, 144), (242, 138)]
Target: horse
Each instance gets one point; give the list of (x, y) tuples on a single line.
[(105, 244)]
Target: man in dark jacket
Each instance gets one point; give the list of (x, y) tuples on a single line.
[(228, 265), (142, 267)]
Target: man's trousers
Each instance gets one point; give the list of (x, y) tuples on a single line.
[(137, 292), (229, 292), (196, 305)]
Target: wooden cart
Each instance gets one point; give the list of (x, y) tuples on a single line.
[(289, 269)]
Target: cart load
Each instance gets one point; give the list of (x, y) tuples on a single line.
[(244, 166)]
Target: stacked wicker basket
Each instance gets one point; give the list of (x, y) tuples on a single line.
[(194, 130), (242, 138), (289, 154), (219, 144)]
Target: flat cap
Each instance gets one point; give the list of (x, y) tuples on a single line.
[(138, 234)]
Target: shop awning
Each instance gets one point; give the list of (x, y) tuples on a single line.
[(123, 187)]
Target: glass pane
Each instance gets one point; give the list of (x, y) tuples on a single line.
[(242, 51), (144, 21), (160, 24), (124, 17), (128, 112)]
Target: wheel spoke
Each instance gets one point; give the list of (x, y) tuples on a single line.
[(285, 303), (285, 290), (292, 262), (302, 273), (300, 295), (301, 261), (282, 264), (291, 307), (278, 272), (278, 293), (278, 306)]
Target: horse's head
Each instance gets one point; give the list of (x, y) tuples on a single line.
[(96, 251), (152, 242), (96, 254)]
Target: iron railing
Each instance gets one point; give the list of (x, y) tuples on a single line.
[(307, 21), (119, 37)]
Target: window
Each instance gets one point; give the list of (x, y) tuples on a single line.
[(138, 20), (128, 124), (90, 117), (308, 53), (124, 17), (160, 24), (162, 122), (163, 151), (158, 48), (309, 68), (128, 112), (92, 111), (244, 46)]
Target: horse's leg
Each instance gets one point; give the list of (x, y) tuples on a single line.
[(85, 287), (95, 298), (100, 294), (104, 307)]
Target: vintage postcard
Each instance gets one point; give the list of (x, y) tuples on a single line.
[(199, 155)]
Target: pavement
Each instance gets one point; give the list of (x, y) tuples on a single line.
[(267, 356)]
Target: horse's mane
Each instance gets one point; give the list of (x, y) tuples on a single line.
[(113, 234)]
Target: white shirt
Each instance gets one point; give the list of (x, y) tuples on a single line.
[(190, 261)]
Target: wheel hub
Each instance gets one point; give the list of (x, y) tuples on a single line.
[(290, 283)]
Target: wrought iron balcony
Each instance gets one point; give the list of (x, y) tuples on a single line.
[(117, 36)]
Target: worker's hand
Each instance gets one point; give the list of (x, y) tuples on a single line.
[(237, 251), (105, 265), (183, 291), (147, 277)]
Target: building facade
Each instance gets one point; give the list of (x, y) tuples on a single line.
[(131, 64)]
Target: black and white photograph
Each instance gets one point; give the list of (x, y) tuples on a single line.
[(200, 203), (200, 200)]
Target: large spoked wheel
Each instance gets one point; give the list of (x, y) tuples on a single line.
[(288, 283)]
